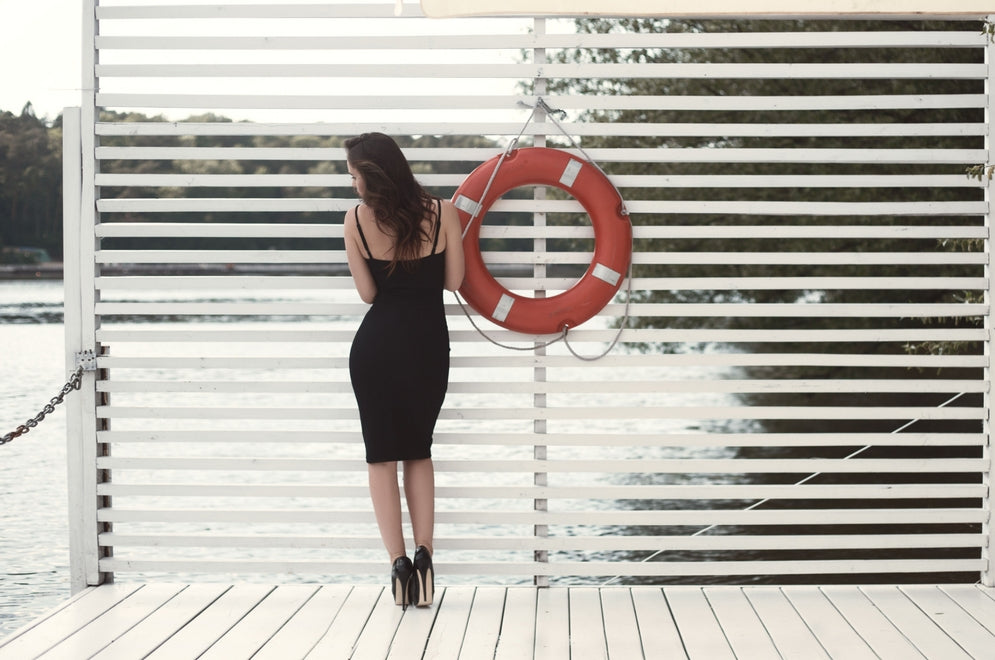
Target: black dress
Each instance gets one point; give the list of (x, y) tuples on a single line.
[(399, 362)]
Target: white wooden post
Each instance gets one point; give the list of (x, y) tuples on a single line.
[(540, 452), (79, 271)]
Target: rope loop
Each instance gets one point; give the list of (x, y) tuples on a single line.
[(552, 114)]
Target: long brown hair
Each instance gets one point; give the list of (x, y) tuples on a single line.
[(398, 201)]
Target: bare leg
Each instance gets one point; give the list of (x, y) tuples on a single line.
[(419, 491), (386, 496)]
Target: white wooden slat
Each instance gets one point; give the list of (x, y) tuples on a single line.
[(740, 624), (610, 361), (310, 622), (580, 569), (682, 492), (446, 638), (697, 518), (637, 542), (529, 71), (623, 181), (254, 629), (322, 282), (675, 232), (922, 631), (201, 633), (869, 39), (685, 207), (563, 387), (872, 626), (477, 101), (567, 439), (677, 310), (472, 155), (345, 628), (271, 11), (792, 637), (160, 625), (281, 338), (475, 155), (572, 412), (688, 465)]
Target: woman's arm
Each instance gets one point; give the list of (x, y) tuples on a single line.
[(455, 267), (360, 270)]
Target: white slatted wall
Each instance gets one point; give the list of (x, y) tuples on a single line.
[(719, 441)]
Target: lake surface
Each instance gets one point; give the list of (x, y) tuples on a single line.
[(34, 531), (34, 539)]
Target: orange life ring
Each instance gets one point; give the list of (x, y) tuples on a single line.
[(612, 240)]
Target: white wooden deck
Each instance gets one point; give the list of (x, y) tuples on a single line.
[(341, 621)]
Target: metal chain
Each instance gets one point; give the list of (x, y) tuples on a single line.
[(74, 383)]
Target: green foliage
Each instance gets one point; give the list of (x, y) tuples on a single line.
[(30, 182), (713, 87)]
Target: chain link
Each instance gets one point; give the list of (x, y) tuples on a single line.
[(74, 383)]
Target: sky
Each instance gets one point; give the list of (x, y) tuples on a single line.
[(40, 44)]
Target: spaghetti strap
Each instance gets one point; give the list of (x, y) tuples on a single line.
[(362, 236), (438, 224)]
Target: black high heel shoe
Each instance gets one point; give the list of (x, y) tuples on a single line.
[(400, 580), (423, 582)]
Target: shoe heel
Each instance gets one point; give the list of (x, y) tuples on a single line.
[(400, 581), (423, 590)]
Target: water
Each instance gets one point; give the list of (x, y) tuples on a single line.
[(34, 540), (34, 530)]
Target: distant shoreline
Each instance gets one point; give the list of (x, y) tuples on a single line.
[(54, 270)]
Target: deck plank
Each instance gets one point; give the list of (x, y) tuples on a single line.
[(834, 632), (868, 621), (261, 623), (446, 638), (378, 634), (787, 629), (34, 640), (159, 626), (483, 627), (552, 632), (743, 629), (922, 631), (201, 633), (587, 625), (114, 623), (975, 602), (302, 632), (413, 631), (341, 636), (700, 630), (518, 627), (970, 635), (657, 628), (621, 627)]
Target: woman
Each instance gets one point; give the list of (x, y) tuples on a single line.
[(404, 247)]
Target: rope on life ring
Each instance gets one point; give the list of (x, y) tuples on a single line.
[(612, 239)]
